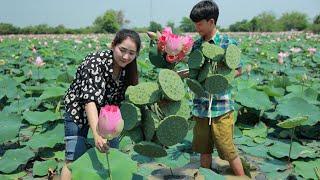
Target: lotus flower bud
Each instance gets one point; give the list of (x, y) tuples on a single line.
[(39, 62), (304, 77), (312, 50), (110, 123), (2, 62)]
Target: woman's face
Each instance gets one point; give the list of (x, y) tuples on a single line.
[(125, 52)]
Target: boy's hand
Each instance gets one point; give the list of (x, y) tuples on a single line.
[(183, 73), (152, 35), (101, 143)]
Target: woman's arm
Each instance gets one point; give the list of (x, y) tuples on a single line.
[(92, 114)]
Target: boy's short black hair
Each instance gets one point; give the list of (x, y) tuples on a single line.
[(206, 9)]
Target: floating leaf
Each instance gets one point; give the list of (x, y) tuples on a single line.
[(209, 174), (40, 168), (47, 139), (12, 159), (53, 92), (93, 165), (259, 130), (9, 126), (293, 122), (295, 107), (254, 99), (37, 118), (306, 168), (281, 150)]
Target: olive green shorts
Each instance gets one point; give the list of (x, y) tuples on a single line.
[(220, 134)]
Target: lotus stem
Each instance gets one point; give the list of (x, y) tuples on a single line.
[(171, 171), (109, 167), (292, 134), (317, 171)]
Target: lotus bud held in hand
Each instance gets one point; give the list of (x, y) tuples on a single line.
[(110, 122)]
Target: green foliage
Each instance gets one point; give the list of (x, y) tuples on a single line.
[(186, 25), (293, 122), (179, 108), (12, 159), (316, 19), (265, 21), (295, 106), (94, 165), (40, 168), (172, 130), (6, 28), (195, 60), (144, 93), (108, 22), (233, 55), (131, 115), (281, 149), (9, 126), (150, 149), (243, 26), (254, 99), (154, 26), (171, 85), (307, 168), (216, 84), (294, 20), (196, 88)]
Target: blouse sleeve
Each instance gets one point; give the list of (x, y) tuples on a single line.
[(92, 82)]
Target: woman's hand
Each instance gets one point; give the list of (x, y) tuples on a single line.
[(101, 143), (92, 113)]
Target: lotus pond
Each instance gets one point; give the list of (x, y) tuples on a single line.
[(277, 109)]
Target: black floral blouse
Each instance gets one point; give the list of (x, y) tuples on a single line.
[(94, 83)]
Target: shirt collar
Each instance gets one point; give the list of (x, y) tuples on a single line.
[(215, 39)]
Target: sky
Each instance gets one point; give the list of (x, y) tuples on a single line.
[(82, 13)]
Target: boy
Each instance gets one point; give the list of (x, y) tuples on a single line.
[(205, 15)]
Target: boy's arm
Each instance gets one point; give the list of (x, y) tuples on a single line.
[(183, 73), (238, 72)]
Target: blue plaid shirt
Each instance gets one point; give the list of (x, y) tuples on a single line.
[(221, 103)]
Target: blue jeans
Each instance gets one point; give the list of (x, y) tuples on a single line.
[(76, 139)]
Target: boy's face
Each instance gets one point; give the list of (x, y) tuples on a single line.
[(204, 27)]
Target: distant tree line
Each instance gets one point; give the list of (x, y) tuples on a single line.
[(111, 21)]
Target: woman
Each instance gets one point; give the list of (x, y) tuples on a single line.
[(101, 79)]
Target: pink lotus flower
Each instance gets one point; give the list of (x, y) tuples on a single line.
[(39, 62), (167, 31), (282, 55), (173, 46), (110, 123), (187, 43), (34, 50), (312, 50)]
